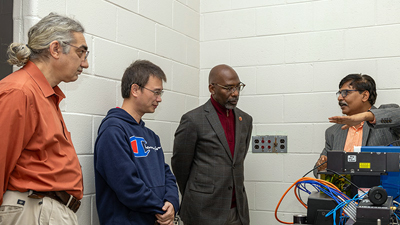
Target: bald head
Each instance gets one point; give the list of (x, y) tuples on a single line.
[(220, 72), (224, 85)]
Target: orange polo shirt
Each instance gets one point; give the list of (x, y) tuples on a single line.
[(36, 152), (354, 137)]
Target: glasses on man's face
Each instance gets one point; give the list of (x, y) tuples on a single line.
[(231, 88), (81, 52), (156, 92), (344, 93)]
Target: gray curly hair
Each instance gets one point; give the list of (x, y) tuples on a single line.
[(53, 27)]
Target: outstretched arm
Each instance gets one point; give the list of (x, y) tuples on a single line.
[(352, 120)]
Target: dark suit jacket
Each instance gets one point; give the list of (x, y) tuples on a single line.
[(204, 168), (383, 132)]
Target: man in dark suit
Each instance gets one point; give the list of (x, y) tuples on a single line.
[(210, 146), (356, 96)]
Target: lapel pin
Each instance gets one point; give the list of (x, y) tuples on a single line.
[(240, 118)]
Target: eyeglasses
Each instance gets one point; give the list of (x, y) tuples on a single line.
[(81, 52), (344, 92), (156, 92), (232, 89)]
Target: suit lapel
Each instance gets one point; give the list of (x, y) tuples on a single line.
[(342, 136), (216, 125), (365, 135), (238, 128), (366, 130)]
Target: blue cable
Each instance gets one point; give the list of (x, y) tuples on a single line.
[(336, 195)]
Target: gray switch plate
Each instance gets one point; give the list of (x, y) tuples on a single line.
[(269, 144)]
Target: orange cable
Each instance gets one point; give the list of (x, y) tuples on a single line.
[(299, 180)]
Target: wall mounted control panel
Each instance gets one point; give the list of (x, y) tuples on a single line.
[(269, 144)]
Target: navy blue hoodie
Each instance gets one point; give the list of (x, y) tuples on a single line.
[(132, 179)]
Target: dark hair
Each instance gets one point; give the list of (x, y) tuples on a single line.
[(138, 73), (361, 82)]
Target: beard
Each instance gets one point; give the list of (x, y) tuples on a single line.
[(231, 102)]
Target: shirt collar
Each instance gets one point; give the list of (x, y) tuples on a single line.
[(358, 127), (41, 81), (220, 108)]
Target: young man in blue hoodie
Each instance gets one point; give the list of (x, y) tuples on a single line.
[(134, 185)]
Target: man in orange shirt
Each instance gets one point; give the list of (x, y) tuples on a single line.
[(356, 96), (40, 174)]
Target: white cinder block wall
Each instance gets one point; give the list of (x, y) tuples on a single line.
[(118, 32), (290, 53)]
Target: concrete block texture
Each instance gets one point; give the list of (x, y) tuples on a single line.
[(131, 5), (203, 83), (86, 162), (291, 170), (171, 44), (193, 52), (95, 217), (163, 130), (257, 51), (80, 127), (316, 107), (84, 213), (111, 59), (231, 24), (172, 107), (90, 95), (136, 31), (96, 121), (388, 96), (43, 7), (284, 79), (186, 79), (327, 75), (274, 20), (263, 217), (269, 194), (269, 167), (387, 70), (387, 12), (314, 47), (214, 5), (188, 26), (251, 193), (291, 54), (213, 53), (372, 42), (240, 4), (263, 108), (247, 75), (100, 22), (318, 133), (194, 4), (157, 10)]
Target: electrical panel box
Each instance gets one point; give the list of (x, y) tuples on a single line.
[(269, 144)]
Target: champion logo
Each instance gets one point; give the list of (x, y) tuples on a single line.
[(139, 147)]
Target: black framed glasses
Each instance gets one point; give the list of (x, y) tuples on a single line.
[(81, 51), (232, 89), (344, 92), (156, 92)]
